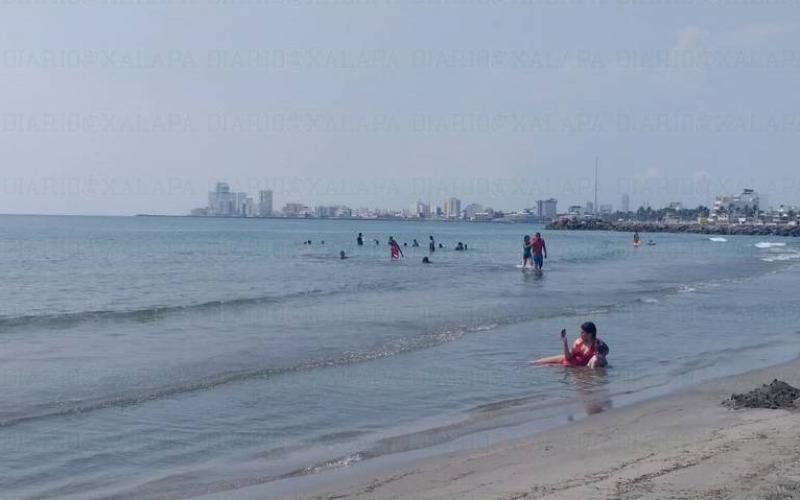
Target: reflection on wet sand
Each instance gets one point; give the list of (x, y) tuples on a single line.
[(591, 385)]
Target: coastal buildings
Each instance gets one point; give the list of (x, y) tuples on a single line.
[(547, 209), (221, 201), (626, 203), (265, 203), (472, 209), (296, 210), (746, 204), (452, 208)]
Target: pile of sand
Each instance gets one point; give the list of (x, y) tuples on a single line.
[(776, 395)]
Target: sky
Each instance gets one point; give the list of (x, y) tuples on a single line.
[(118, 107)]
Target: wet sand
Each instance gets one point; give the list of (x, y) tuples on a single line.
[(687, 445)]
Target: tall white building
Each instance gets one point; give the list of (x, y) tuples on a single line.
[(626, 203), (452, 208), (221, 201), (265, 203), (547, 209)]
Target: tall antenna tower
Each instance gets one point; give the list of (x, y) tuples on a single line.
[(596, 161)]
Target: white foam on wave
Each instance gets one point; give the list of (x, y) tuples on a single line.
[(686, 289), (782, 257), (649, 300), (769, 244), (718, 239)]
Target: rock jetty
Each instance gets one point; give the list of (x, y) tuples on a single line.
[(659, 227)]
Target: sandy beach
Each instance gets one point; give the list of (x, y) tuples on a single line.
[(684, 446)]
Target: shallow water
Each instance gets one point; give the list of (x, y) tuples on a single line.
[(145, 356)]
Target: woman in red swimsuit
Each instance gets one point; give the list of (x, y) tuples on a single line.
[(587, 350)]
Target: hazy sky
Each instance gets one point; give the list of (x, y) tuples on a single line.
[(123, 107)]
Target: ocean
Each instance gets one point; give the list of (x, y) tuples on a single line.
[(174, 356)]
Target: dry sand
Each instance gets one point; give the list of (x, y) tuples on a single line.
[(682, 446)]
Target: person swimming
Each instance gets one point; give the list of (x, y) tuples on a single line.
[(342, 255), (460, 246), (588, 350), (426, 260), (415, 243)]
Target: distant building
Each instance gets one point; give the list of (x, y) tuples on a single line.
[(422, 209), (452, 208), (472, 209), (606, 209), (241, 204), (675, 205), (248, 208), (626, 203), (575, 210), (546, 209), (221, 201), (589, 207), (265, 203), (296, 210), (747, 203)]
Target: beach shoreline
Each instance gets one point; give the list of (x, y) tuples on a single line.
[(682, 445)]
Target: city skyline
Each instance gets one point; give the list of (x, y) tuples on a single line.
[(503, 104)]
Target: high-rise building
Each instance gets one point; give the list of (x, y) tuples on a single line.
[(422, 209), (265, 203), (452, 208), (546, 209), (589, 207), (241, 204), (626, 202), (221, 201)]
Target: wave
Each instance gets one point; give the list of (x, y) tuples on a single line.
[(395, 347), (718, 239), (782, 257), (153, 313), (769, 244)]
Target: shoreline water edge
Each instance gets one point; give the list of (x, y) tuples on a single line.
[(682, 445)]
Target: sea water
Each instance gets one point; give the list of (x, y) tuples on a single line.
[(147, 356)]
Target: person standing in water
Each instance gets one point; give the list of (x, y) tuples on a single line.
[(636, 240), (360, 240), (396, 252), (432, 245), (539, 251), (527, 257)]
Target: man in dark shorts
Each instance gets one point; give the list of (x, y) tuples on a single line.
[(539, 251)]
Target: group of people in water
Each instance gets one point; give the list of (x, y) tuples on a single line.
[(396, 253), (588, 349)]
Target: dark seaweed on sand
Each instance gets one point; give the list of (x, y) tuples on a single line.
[(776, 395)]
